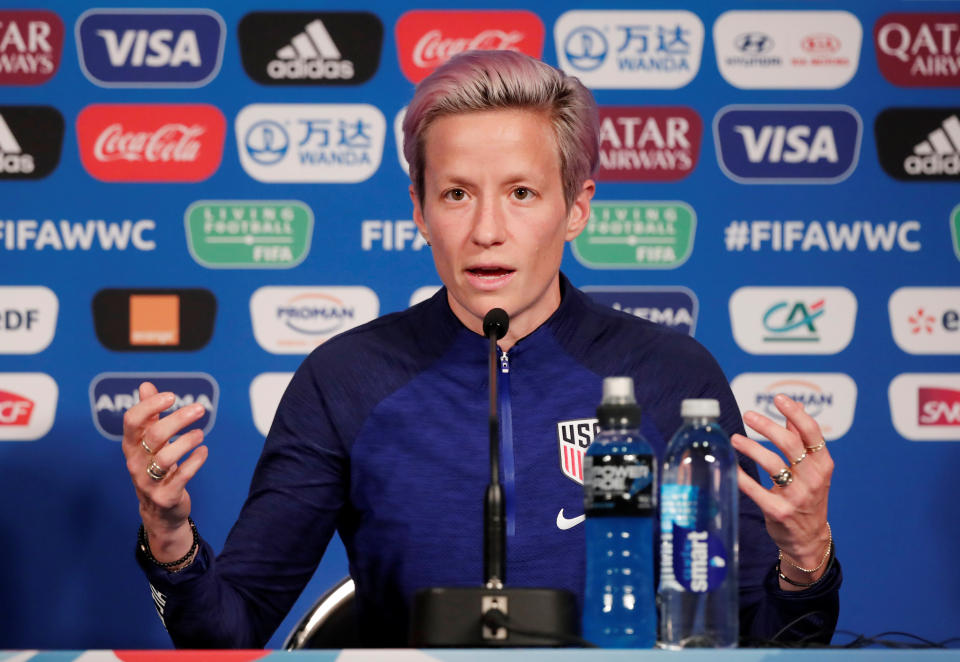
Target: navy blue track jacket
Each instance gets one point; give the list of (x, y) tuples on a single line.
[(382, 434)]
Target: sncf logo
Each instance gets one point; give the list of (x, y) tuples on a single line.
[(15, 409), (938, 406), (575, 437), (150, 47)]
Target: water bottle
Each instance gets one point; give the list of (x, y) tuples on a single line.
[(698, 534), (620, 477)]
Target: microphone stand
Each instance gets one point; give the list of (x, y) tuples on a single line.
[(493, 615)]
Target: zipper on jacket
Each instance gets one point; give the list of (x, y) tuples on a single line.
[(506, 443)]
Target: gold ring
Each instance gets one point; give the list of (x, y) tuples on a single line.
[(143, 444), (800, 459), (155, 471), (782, 478), (818, 447)]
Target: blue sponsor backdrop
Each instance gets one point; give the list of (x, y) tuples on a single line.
[(69, 516)]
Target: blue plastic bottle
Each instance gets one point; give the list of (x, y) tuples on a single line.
[(698, 534), (620, 478)]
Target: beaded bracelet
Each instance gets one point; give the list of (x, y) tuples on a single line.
[(833, 555), (145, 547), (826, 555)]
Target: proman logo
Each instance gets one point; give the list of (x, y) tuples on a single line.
[(793, 320), (150, 47), (154, 319), (829, 398)]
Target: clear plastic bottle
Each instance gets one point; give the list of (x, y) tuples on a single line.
[(620, 478), (699, 583)]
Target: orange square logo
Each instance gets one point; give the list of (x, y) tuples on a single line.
[(154, 319)]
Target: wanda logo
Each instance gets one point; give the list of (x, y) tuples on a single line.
[(427, 39), (151, 142)]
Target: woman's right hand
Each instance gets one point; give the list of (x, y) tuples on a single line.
[(164, 503)]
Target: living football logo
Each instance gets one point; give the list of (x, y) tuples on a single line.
[(154, 319), (310, 48), (31, 138), (630, 49), (150, 47), (151, 142), (31, 45), (787, 49), (428, 38), (636, 235), (648, 143), (248, 234), (28, 403), (919, 49), (113, 393), (787, 144), (919, 144)]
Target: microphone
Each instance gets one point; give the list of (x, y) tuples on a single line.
[(495, 325), (496, 321), (493, 614)]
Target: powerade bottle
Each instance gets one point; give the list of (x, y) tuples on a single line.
[(620, 478), (698, 534)]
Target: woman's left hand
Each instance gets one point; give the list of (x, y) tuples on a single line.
[(796, 513)]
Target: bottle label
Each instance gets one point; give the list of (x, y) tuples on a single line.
[(692, 556), (619, 485)]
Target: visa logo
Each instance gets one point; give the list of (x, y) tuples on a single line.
[(153, 49), (150, 47), (787, 144)]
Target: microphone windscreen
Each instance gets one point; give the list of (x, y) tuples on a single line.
[(496, 322)]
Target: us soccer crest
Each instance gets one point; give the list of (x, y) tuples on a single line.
[(574, 437)]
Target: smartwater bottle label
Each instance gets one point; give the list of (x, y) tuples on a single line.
[(692, 558), (619, 485)]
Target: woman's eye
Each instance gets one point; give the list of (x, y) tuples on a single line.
[(456, 194), (521, 193)]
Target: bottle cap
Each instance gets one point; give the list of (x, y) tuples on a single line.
[(618, 391), (700, 408), (619, 408)]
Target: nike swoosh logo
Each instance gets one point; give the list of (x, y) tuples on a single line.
[(564, 523)]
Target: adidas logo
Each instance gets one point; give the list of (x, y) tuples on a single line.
[(310, 54), (12, 158), (939, 154)]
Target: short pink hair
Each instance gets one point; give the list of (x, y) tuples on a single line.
[(476, 81)]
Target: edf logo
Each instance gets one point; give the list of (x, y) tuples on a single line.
[(787, 144), (150, 47)]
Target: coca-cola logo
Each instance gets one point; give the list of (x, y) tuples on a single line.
[(151, 142), (427, 39), (171, 142)]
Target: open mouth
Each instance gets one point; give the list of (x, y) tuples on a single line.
[(490, 272)]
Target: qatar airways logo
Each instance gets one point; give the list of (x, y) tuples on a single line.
[(428, 38), (151, 142)]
